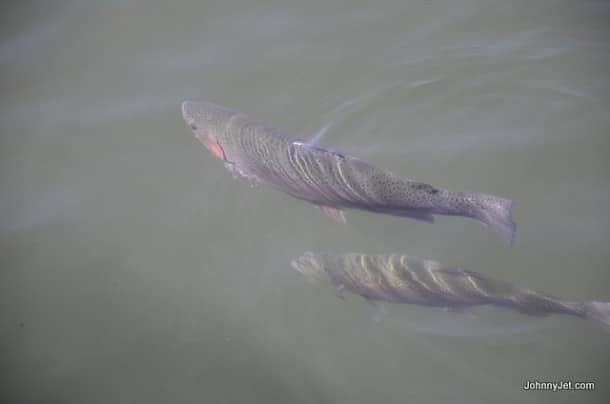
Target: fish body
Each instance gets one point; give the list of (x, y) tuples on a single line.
[(334, 181), (404, 279)]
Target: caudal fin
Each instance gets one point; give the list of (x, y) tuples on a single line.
[(497, 213), (599, 312)]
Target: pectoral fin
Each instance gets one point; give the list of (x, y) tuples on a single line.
[(239, 174), (339, 291), (336, 214), (379, 308)]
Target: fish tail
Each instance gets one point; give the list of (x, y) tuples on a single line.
[(496, 213), (599, 312)]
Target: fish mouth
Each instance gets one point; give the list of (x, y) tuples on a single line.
[(297, 265), (188, 114)]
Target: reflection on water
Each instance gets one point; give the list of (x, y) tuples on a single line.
[(129, 255)]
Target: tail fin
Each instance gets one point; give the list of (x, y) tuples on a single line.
[(496, 213), (599, 312)]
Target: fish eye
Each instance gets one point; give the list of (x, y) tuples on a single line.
[(193, 126)]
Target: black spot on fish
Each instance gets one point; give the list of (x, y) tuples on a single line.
[(193, 126), (425, 187)]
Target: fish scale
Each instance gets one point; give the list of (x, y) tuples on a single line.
[(330, 179), (398, 278)]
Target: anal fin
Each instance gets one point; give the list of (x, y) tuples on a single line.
[(421, 215), (463, 310), (455, 309), (336, 214)]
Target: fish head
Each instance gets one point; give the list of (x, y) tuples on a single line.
[(209, 124), (309, 265)]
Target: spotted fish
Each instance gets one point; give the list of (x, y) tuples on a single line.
[(404, 279), (335, 182)]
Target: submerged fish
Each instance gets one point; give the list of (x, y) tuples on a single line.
[(331, 180), (404, 279)]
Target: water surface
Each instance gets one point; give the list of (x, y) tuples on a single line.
[(135, 269)]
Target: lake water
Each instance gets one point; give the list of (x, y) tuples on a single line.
[(134, 268)]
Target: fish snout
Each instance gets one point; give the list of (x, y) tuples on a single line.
[(192, 113), (188, 113), (296, 265), (307, 266)]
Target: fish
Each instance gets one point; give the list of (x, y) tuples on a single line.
[(257, 153), (403, 279)]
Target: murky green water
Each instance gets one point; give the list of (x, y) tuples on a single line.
[(135, 269)]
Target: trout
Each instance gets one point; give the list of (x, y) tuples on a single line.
[(405, 279), (257, 153)]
